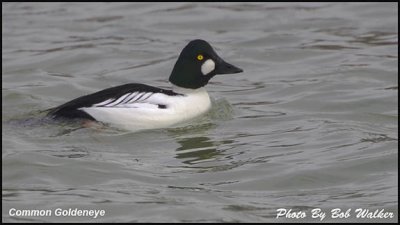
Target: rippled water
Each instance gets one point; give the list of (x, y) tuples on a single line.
[(311, 123)]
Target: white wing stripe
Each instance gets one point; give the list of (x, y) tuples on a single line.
[(145, 96), (127, 99), (120, 99), (136, 97), (104, 102)]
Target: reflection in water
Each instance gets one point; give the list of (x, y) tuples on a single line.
[(200, 149), (68, 152), (376, 138), (195, 146)]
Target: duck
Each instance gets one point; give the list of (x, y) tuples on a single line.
[(137, 106)]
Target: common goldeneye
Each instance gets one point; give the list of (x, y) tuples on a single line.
[(140, 106)]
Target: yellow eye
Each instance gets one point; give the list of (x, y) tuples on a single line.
[(200, 57)]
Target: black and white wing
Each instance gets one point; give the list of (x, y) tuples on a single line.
[(124, 96)]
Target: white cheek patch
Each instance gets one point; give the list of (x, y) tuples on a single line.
[(207, 66)]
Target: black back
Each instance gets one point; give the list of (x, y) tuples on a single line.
[(70, 110)]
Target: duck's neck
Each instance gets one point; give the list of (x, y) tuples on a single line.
[(182, 90)]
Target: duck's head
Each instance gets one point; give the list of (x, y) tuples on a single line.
[(197, 64)]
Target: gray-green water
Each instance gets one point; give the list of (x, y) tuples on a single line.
[(311, 123)]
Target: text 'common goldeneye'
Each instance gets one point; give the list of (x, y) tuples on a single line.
[(139, 106)]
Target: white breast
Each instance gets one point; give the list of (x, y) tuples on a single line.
[(147, 114)]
